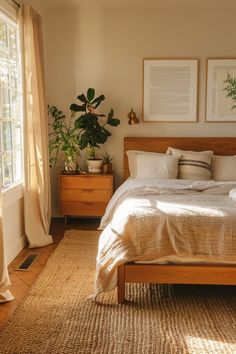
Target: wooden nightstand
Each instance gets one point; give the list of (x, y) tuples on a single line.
[(85, 195)]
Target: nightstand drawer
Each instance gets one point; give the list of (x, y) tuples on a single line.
[(86, 195), (83, 208), (86, 182)]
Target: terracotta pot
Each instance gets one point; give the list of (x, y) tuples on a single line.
[(107, 167)]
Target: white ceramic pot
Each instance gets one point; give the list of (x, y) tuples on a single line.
[(95, 166), (70, 166)]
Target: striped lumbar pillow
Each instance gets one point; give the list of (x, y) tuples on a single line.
[(193, 165)]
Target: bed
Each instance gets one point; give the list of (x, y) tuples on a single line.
[(141, 270)]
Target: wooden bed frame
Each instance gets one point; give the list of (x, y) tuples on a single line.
[(171, 273)]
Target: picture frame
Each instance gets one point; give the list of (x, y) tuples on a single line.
[(170, 90), (218, 105)]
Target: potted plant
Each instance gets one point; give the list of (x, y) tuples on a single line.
[(63, 137), (92, 127), (107, 163)]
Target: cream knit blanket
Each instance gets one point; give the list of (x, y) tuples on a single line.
[(166, 221)]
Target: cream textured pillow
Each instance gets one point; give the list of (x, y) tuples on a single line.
[(173, 151), (132, 159), (193, 164), (224, 168), (232, 194), (160, 167)]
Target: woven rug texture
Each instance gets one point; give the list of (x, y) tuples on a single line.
[(57, 317)]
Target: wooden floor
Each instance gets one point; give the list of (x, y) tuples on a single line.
[(22, 280)]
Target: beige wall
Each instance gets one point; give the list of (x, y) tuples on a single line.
[(14, 235), (104, 49), (37, 5)]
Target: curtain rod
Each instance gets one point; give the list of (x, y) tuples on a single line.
[(16, 3)]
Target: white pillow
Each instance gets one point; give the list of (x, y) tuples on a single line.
[(232, 194), (159, 166), (132, 159), (224, 168), (173, 151), (193, 165)]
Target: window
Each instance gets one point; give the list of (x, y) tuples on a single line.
[(11, 144)]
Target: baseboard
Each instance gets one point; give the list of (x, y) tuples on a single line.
[(13, 249)]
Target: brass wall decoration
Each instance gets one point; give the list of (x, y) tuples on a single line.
[(133, 119)]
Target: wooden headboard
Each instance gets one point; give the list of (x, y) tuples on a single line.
[(220, 146)]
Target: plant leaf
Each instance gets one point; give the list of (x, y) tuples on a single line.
[(84, 139), (82, 98), (110, 114), (98, 100), (76, 108), (80, 122), (106, 132), (113, 122), (90, 94)]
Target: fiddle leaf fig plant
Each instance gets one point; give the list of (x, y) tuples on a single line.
[(92, 129)]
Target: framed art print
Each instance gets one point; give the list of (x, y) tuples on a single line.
[(219, 102), (170, 90)]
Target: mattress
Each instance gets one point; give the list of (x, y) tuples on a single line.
[(166, 221)]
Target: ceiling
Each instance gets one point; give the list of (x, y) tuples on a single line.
[(165, 4)]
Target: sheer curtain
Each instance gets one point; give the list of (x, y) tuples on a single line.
[(5, 294), (37, 202), (37, 199)]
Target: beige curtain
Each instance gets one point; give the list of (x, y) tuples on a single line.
[(5, 294), (37, 178)]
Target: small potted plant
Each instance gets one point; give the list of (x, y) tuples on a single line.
[(92, 127), (63, 137), (107, 163)]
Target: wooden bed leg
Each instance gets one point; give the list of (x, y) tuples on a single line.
[(121, 283)]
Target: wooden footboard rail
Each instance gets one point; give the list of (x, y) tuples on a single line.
[(174, 274)]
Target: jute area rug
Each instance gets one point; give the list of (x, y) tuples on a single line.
[(57, 317)]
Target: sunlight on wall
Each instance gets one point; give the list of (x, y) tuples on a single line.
[(104, 48)]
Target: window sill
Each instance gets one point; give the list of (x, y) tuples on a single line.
[(11, 194)]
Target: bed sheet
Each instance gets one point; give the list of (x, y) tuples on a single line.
[(162, 221)]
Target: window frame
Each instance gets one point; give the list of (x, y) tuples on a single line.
[(11, 19)]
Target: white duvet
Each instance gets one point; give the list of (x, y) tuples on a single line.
[(166, 221)]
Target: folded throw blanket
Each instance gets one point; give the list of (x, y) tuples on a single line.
[(232, 194)]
